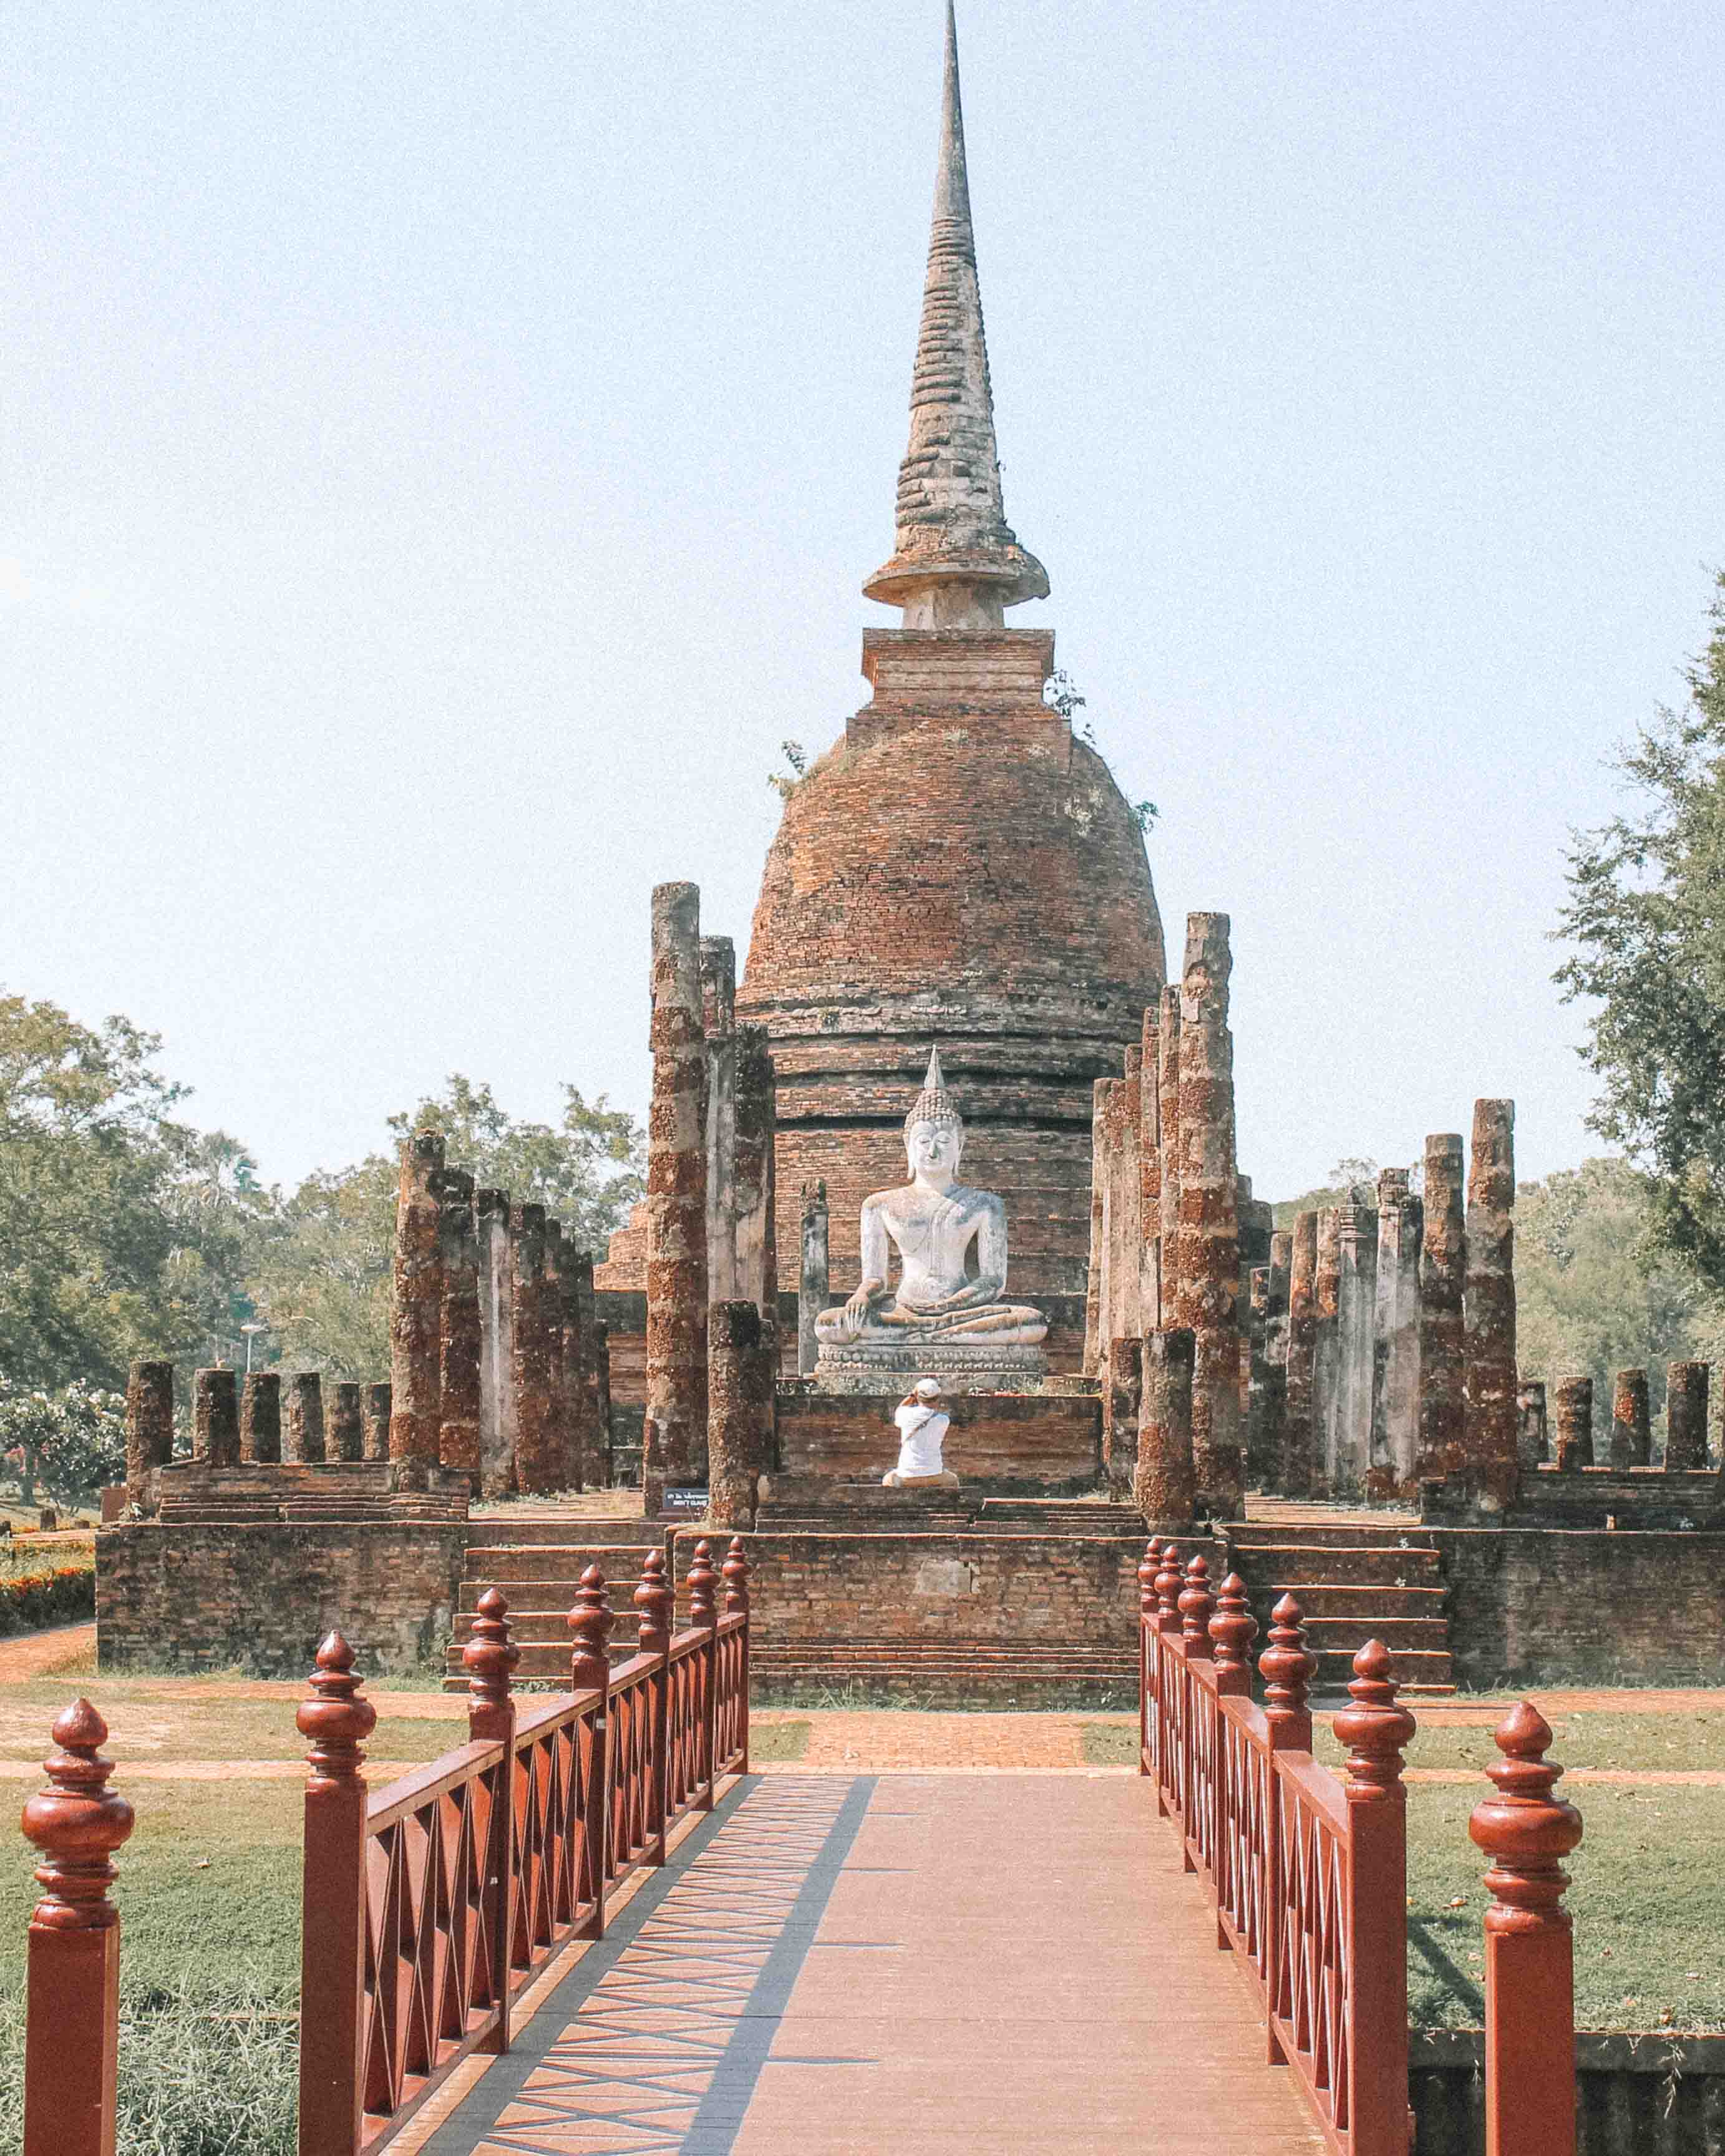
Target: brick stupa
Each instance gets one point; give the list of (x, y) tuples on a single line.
[(958, 869)]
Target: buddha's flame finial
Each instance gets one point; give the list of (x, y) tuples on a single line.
[(934, 1103)]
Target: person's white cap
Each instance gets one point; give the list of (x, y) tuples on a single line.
[(928, 1388)]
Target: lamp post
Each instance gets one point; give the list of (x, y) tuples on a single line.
[(249, 1331)]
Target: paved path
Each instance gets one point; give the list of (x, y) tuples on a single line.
[(936, 1966)]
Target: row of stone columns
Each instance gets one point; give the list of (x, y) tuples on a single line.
[(263, 1418), (710, 1133), (1630, 1443), (499, 1366), (1398, 1348), (1163, 1329)]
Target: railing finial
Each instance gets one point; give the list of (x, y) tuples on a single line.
[(335, 1719), (1233, 1629), (1148, 1567), (1195, 1605), (1376, 1729), (590, 1621), (1525, 1831), (77, 1822), (654, 1599), (1169, 1582), (736, 1571), (490, 1656), (703, 1588), (1287, 1666)]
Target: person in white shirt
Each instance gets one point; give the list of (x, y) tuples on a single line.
[(922, 1426)]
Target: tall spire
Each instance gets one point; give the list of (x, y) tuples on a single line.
[(956, 561)]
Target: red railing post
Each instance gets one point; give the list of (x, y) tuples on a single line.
[(590, 1670), (490, 1658), (1376, 1731), (72, 2015), (1169, 1582), (736, 1572), (1148, 1570), (704, 1616), (332, 2063), (1287, 1669), (656, 1601), (1530, 1971), (1232, 1629), (1194, 1606)]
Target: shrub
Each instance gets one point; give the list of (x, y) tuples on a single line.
[(29, 1601)]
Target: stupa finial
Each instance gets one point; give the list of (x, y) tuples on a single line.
[(956, 561)]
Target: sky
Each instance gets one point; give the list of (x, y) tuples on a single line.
[(441, 449)]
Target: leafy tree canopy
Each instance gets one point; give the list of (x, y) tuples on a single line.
[(122, 1230), (72, 1440), (1646, 915)]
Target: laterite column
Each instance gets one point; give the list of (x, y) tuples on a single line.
[(416, 1321), (1686, 1417), (1209, 1226), (458, 1442), (1300, 1451), (676, 1419), (149, 1426), (1167, 1486), (1443, 1266), (1489, 1308), (215, 1416)]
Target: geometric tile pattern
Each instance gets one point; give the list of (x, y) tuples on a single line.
[(677, 2005)]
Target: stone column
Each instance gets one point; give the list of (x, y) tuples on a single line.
[(754, 1189), (1209, 1227), (1168, 1094), (585, 1459), (1167, 1483), (556, 1396), (1276, 1356), (1686, 1417), (376, 1407), (416, 1321), (571, 1378), (602, 1393), (1109, 1099), (149, 1427), (1126, 1259), (1122, 1403), (495, 1285), (1489, 1307), (718, 1013), (1573, 1401), (215, 1416), (302, 1422), (737, 1374), (1531, 1441), (1260, 1466), (1395, 1341), (1150, 1172), (1326, 1353), (1631, 1428), (346, 1426), (675, 1421), (260, 1418), (537, 1461), (1443, 1266), (458, 1442), (813, 1276), (1356, 1345), (1098, 1229), (1300, 1448)]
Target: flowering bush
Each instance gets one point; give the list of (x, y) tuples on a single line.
[(30, 1600), (72, 1440)]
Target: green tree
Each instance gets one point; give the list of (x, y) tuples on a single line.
[(1352, 1182), (1594, 1293), (1647, 915), (123, 1231), (323, 1279), (72, 1440)]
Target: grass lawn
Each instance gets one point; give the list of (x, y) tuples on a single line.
[(1648, 1899)]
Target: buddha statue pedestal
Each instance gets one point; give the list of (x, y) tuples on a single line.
[(943, 1319)]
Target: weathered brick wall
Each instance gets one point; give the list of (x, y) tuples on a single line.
[(997, 1588), (1535, 1606), (264, 1595), (1031, 1443)]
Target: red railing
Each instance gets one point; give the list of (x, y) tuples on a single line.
[(1308, 1873), (430, 1904)]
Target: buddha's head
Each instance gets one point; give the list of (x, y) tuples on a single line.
[(934, 1131)]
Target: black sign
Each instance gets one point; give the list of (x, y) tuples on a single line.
[(685, 1501)]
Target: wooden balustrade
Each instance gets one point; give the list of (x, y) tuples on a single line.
[(429, 1904), (1308, 1871)]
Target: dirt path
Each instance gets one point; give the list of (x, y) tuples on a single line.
[(40, 1653)]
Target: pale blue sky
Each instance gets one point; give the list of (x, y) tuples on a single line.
[(442, 447)]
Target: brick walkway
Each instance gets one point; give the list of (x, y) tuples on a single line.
[(836, 1965)]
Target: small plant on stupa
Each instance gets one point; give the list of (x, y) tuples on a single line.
[(784, 784)]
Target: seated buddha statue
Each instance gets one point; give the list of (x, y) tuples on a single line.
[(933, 1222)]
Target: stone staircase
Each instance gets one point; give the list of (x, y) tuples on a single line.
[(1356, 1579), (538, 1564)]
